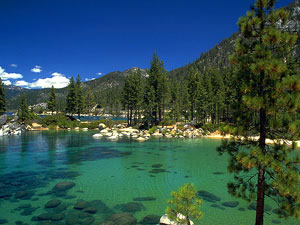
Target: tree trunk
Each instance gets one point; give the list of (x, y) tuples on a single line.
[(261, 172), (188, 221), (159, 114), (260, 198), (128, 116)]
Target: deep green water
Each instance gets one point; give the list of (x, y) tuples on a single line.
[(115, 173)]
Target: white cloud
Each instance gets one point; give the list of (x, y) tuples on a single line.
[(13, 65), (6, 76), (36, 69), (88, 79), (58, 80), (99, 74), (6, 82), (56, 74), (22, 83)]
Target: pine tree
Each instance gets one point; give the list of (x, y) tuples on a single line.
[(218, 94), (184, 99), (149, 106), (201, 107), (52, 100), (184, 205), (208, 96), (90, 101), (23, 112), (132, 94), (2, 98), (71, 98), (158, 83), (270, 97), (231, 88), (79, 96), (175, 100), (193, 88)]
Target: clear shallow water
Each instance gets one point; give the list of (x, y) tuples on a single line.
[(115, 173)]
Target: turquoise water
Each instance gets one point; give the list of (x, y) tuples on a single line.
[(116, 173)]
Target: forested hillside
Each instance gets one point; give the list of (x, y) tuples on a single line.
[(218, 56)]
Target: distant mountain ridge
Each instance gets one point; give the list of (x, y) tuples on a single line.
[(217, 57), (35, 96)]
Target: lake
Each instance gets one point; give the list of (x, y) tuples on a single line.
[(108, 178)]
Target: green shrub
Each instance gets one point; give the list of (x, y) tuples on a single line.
[(61, 120), (52, 127), (167, 122), (152, 130), (91, 125), (180, 126)]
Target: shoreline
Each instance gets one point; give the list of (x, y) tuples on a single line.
[(120, 130)]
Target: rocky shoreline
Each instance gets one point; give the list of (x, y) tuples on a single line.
[(187, 132), (10, 128), (143, 135), (121, 130)]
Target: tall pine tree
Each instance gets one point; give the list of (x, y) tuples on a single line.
[(79, 96), (2, 98), (270, 98), (71, 98), (193, 88), (52, 100), (132, 94), (23, 112), (157, 83)]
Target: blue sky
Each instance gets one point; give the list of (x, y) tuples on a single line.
[(45, 42)]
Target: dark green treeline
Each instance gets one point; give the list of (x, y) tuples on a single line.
[(200, 97)]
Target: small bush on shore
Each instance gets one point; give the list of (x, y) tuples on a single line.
[(59, 120)]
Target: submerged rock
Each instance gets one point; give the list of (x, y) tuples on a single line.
[(58, 217), (45, 216), (157, 165), (100, 206), (207, 196), (91, 210), (29, 211), (81, 205), (24, 206), (142, 199), (122, 219), (3, 221), (78, 217), (150, 219), (131, 207), (231, 204), (63, 186), (217, 206), (158, 171), (53, 203), (252, 206), (218, 173)]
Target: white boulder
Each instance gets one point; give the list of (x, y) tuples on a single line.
[(97, 135), (166, 221)]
